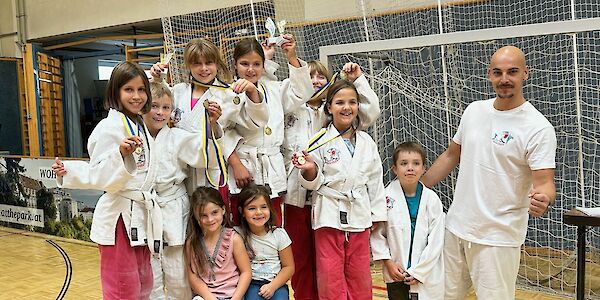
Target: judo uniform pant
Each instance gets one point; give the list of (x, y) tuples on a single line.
[(125, 271), (343, 264), (170, 280), (298, 226), (492, 271)]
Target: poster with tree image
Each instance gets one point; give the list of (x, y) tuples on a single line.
[(30, 200)]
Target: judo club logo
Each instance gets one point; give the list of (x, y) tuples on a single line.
[(332, 156), (502, 138), (290, 120), (389, 202), (176, 115)]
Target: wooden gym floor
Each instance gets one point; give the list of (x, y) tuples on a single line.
[(38, 266)]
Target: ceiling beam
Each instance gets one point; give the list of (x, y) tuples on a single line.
[(104, 38)]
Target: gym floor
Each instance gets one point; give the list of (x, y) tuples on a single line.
[(39, 266)]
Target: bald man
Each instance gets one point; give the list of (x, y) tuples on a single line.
[(506, 150)]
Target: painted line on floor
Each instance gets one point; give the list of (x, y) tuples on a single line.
[(69, 269)]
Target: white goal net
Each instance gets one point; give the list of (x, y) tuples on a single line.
[(424, 84)]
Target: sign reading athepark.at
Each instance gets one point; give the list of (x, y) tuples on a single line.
[(22, 215)]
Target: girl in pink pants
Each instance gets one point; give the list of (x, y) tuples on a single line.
[(345, 174)]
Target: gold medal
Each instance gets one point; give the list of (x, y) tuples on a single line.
[(268, 130), (236, 100), (301, 160), (206, 103), (139, 150)]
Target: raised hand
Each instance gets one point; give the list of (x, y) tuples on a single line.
[(157, 70), (59, 168), (269, 50), (214, 111), (245, 86), (352, 70), (303, 161), (289, 48)]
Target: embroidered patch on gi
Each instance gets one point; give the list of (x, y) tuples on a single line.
[(134, 236), (344, 217), (290, 120), (141, 160), (332, 156), (156, 246), (389, 202), (176, 115), (502, 138)]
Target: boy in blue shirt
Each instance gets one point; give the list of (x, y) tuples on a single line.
[(410, 244)]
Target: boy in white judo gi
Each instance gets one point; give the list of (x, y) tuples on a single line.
[(410, 243)]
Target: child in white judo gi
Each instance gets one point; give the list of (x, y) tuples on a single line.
[(173, 150), (344, 172), (410, 243), (177, 149)]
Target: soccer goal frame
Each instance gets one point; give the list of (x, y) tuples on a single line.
[(569, 27)]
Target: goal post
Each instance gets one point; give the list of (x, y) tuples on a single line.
[(528, 30)]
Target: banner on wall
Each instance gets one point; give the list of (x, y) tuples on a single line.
[(22, 215), (30, 199)]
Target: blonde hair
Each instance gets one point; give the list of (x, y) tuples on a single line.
[(201, 47), (316, 66), (159, 89)]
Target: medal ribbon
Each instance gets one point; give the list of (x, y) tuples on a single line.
[(267, 129), (264, 92), (312, 144), (128, 127), (205, 128), (321, 90), (218, 152), (222, 86)]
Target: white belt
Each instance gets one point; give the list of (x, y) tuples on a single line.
[(262, 155), (169, 193), (154, 225), (346, 203), (335, 194), (256, 150)]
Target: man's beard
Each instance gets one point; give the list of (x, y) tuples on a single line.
[(504, 95)]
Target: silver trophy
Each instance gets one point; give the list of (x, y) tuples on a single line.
[(272, 28)]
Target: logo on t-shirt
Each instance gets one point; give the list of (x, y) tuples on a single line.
[(502, 138)]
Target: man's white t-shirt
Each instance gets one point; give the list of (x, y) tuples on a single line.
[(499, 149)]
